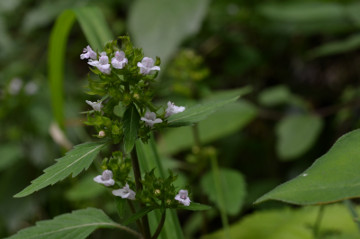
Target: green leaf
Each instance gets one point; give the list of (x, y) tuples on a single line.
[(296, 135), (228, 119), (199, 112), (276, 95), (73, 163), (85, 189), (333, 177), (195, 207), (148, 160), (232, 188), (138, 214), (131, 126), (160, 31), (288, 223), (76, 225)]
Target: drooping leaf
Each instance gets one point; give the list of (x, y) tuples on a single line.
[(288, 223), (226, 120), (73, 163), (232, 188), (296, 134), (76, 225), (195, 207), (333, 177), (160, 31), (131, 126)]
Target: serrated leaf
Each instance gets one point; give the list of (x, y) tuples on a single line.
[(73, 163), (296, 134), (131, 126), (76, 225), (195, 207), (232, 188), (333, 177)]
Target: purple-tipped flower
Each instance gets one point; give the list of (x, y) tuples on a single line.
[(125, 192), (119, 60), (183, 198), (173, 109), (102, 64), (150, 119), (97, 106), (88, 53), (147, 65), (105, 178)]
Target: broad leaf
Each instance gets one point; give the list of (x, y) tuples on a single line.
[(131, 126), (333, 177), (160, 31), (232, 188), (296, 135), (275, 95), (76, 225), (195, 207), (73, 163)]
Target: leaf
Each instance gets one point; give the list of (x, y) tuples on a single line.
[(10, 153), (73, 163), (131, 126), (160, 31), (84, 189), (333, 177), (195, 207), (77, 225), (296, 135), (199, 112), (148, 160), (275, 95), (227, 119), (232, 188), (288, 223), (138, 214)]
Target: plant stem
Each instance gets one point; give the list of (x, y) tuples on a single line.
[(137, 175), (138, 222), (160, 226), (353, 212), (316, 228)]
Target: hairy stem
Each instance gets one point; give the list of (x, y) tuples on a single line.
[(137, 175), (160, 226)]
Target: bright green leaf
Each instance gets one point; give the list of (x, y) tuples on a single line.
[(73, 163), (76, 225), (195, 207), (333, 177), (297, 134), (225, 121), (160, 31), (131, 126), (232, 186)]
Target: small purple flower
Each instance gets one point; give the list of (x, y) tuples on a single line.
[(125, 192), (105, 178), (150, 119), (15, 86), (183, 198), (102, 64), (88, 53), (147, 65), (173, 109), (119, 60), (97, 106)]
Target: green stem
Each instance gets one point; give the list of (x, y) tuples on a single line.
[(353, 212), (137, 176), (138, 223), (160, 226), (219, 194), (316, 228)]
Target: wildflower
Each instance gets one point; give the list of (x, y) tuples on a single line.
[(119, 60), (101, 134), (15, 86), (150, 119), (31, 88), (147, 65), (105, 178), (183, 198), (102, 64), (88, 53), (95, 105), (173, 109), (125, 192)]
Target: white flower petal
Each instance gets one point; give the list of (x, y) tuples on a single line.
[(147, 65)]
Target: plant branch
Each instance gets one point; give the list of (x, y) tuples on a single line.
[(160, 226)]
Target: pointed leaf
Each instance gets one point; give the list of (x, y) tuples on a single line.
[(76, 225), (333, 177), (131, 126), (73, 163)]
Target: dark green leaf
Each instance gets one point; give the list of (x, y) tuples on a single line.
[(73, 163), (138, 215), (131, 126)]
